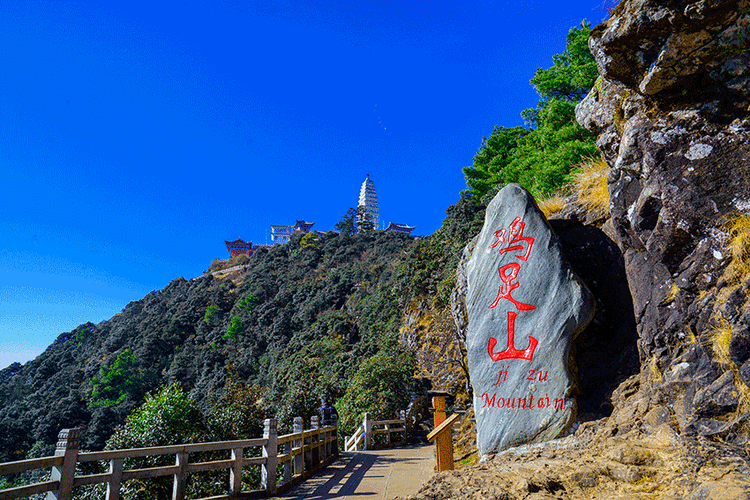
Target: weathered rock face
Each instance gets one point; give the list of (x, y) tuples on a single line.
[(525, 306), (671, 111)]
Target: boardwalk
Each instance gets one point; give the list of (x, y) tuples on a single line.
[(370, 475)]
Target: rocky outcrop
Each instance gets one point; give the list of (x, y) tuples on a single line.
[(524, 306), (605, 353), (441, 360), (671, 114)]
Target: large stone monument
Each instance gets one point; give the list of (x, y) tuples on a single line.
[(524, 307)]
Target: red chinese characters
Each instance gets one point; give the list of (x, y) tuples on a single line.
[(508, 286), (513, 234), (509, 240)]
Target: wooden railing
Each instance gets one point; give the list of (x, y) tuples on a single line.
[(298, 454), (362, 439)]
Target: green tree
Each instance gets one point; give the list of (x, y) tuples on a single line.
[(364, 222), (542, 157), (238, 413), (382, 387), (492, 159), (348, 225), (212, 312), (573, 72), (249, 303), (166, 417), (115, 381), (235, 328)]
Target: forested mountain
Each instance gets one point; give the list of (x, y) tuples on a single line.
[(293, 325)]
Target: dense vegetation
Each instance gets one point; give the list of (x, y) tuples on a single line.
[(295, 324), (542, 156)]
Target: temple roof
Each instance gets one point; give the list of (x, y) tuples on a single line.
[(392, 226), (238, 241)]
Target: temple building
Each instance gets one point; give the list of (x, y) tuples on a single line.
[(282, 234), (400, 228), (303, 226), (368, 199), (239, 247)]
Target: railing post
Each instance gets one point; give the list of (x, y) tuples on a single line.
[(67, 445), (180, 479), (270, 453), (407, 428), (299, 460), (235, 473), (368, 431), (314, 443), (288, 463), (438, 403), (115, 478), (443, 441), (335, 442)]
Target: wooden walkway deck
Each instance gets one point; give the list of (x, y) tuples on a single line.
[(369, 475)]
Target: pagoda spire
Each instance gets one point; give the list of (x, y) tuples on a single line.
[(368, 204)]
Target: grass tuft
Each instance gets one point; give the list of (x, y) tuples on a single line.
[(720, 337), (551, 205), (738, 269), (671, 295), (590, 182)]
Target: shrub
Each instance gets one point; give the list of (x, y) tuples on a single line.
[(166, 417), (114, 382), (551, 205), (739, 248), (382, 387), (235, 328), (211, 314)]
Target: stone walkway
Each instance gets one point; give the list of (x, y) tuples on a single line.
[(370, 475)]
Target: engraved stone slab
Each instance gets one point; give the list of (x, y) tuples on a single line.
[(525, 306)]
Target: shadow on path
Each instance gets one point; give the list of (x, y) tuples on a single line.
[(371, 475)]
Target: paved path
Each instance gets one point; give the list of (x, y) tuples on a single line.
[(370, 475)]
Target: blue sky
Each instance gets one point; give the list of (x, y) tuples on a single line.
[(136, 137)]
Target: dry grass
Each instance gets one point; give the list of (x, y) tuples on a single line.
[(591, 185), (720, 337), (738, 269), (671, 295), (656, 374), (551, 205)]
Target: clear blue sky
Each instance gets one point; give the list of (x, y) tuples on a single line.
[(135, 137)]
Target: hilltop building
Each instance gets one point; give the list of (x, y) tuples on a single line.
[(370, 210), (400, 228), (239, 247), (369, 214), (282, 234), (368, 202)]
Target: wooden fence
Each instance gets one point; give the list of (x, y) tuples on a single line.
[(296, 455), (362, 437)]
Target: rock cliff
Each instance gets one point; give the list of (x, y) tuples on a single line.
[(671, 110), (671, 114)]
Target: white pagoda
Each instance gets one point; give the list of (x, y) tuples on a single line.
[(368, 200)]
